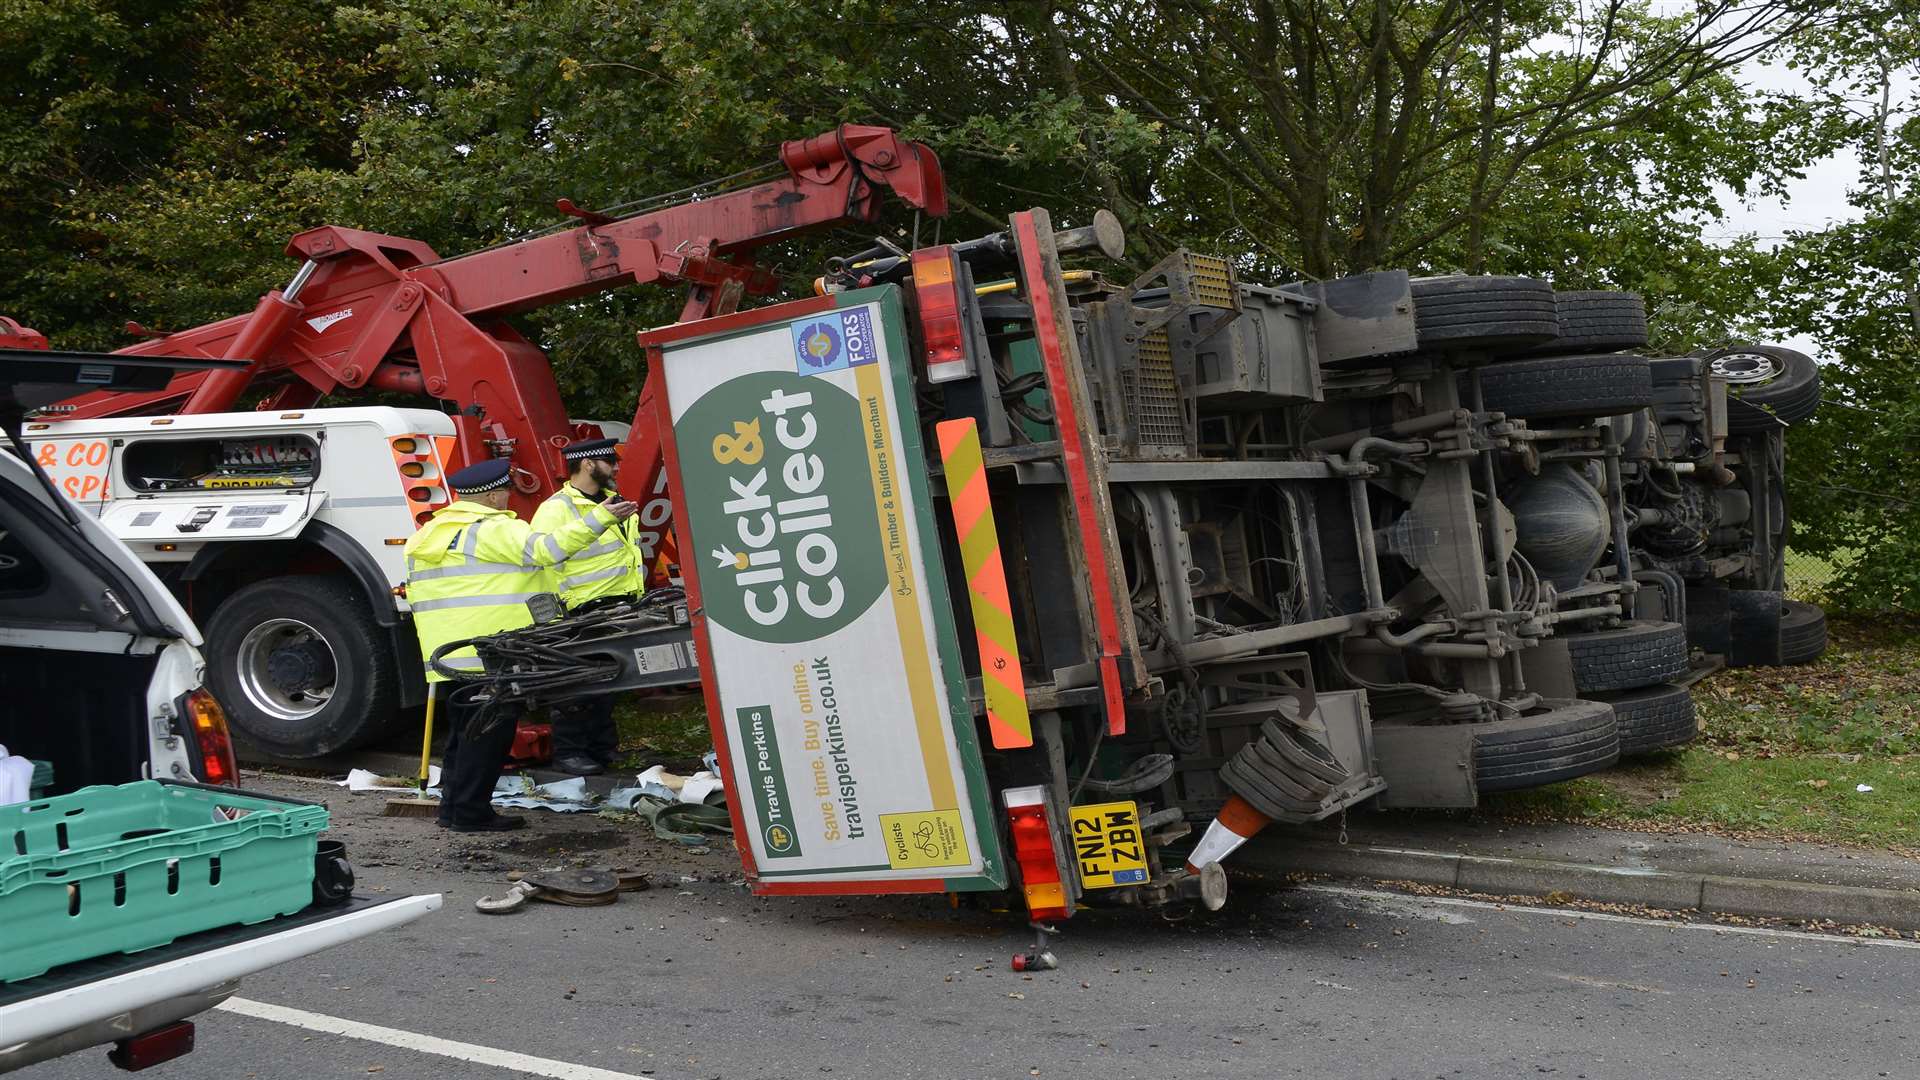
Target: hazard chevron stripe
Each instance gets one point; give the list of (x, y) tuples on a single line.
[(1007, 719)]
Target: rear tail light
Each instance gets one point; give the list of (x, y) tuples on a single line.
[(154, 1047), (413, 470), (406, 446), (937, 295), (209, 723), (1034, 850)]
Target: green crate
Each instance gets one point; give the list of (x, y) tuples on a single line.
[(42, 780), (120, 869)]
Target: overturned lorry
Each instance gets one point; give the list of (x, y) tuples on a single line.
[(1005, 574)]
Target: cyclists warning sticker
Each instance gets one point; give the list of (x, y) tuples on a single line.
[(934, 838)]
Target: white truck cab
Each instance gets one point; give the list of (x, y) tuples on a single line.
[(281, 533)]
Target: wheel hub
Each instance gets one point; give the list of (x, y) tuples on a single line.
[(286, 669), (300, 666), (1745, 369)]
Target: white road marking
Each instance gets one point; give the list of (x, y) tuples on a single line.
[(1381, 896), (425, 1044)]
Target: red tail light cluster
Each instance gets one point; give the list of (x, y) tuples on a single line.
[(208, 723), (1034, 849), (936, 293)]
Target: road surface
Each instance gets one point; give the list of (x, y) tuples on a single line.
[(697, 979)]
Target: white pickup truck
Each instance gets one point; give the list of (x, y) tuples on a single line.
[(102, 671)]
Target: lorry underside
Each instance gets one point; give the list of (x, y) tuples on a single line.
[(1260, 554)]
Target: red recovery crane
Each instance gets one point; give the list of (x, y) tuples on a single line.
[(367, 311)]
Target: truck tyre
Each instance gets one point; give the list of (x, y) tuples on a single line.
[(1597, 322), (1784, 382), (1569, 738), (1604, 384), (1803, 633), (1463, 312), (1632, 655), (1653, 717), (301, 667), (1708, 618), (1753, 627)]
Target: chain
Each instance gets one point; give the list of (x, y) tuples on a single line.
[(1343, 826)]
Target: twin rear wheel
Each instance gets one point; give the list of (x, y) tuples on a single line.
[(301, 667)]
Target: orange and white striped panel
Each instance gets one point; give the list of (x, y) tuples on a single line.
[(1007, 720)]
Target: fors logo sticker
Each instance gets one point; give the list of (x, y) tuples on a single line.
[(834, 342), (818, 344)]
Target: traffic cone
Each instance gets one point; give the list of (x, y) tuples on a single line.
[(1237, 823)]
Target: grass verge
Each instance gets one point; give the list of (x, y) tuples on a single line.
[(1783, 752)]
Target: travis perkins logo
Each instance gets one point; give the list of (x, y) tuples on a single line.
[(781, 498)]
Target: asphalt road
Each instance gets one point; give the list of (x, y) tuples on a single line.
[(697, 979)]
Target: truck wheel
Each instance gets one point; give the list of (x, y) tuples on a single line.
[(1784, 382), (1569, 738), (1803, 633), (1753, 627), (1653, 717), (301, 667), (1604, 384), (1463, 312), (1597, 322), (1633, 655)]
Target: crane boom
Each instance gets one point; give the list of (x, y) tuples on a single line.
[(367, 311)]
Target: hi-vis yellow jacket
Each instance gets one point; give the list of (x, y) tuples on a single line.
[(471, 570), (612, 567)]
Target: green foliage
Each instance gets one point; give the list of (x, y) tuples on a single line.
[(1854, 287), (153, 150)]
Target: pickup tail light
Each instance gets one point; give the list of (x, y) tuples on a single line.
[(154, 1047), (209, 723), (1034, 850)]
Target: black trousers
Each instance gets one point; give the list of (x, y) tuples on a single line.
[(584, 726), (474, 758)]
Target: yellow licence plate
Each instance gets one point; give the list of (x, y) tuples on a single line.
[(1108, 848)]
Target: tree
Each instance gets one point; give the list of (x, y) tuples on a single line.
[(1363, 133), (1852, 286), (150, 152)]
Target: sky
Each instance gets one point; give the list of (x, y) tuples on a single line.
[(1811, 202)]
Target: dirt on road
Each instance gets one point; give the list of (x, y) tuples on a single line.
[(387, 848)]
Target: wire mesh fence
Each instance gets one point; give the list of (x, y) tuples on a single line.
[(1813, 577)]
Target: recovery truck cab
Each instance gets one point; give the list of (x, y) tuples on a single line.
[(103, 675), (281, 533)]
